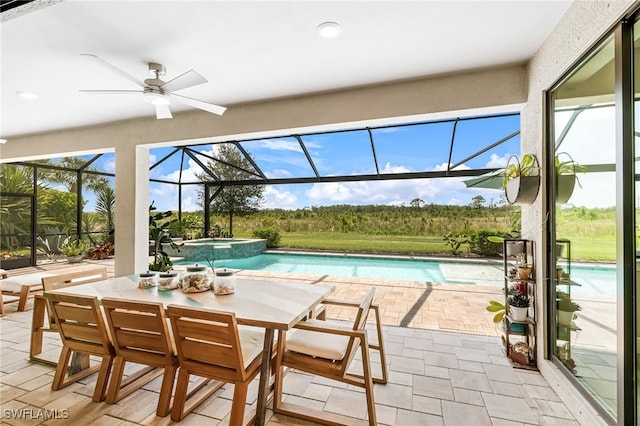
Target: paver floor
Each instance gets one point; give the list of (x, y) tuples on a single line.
[(446, 365)]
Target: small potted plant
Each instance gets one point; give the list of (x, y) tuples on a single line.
[(523, 268), (521, 179), (518, 306), (567, 308), (566, 178)]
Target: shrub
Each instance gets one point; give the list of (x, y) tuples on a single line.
[(269, 233), (480, 244), (455, 240)]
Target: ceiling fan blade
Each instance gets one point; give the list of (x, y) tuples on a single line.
[(188, 79), (216, 109), (111, 92), (113, 68), (163, 111)]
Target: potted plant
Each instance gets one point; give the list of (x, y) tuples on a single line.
[(100, 251), (74, 249), (566, 308), (523, 268), (159, 233), (566, 177), (521, 179), (518, 306)]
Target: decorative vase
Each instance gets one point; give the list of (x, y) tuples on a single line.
[(522, 189), (564, 189), (516, 248), (517, 313), (75, 259), (524, 273), (565, 317)]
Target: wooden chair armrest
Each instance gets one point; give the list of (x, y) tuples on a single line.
[(331, 329), (338, 302)]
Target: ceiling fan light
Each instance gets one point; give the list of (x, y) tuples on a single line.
[(329, 29), (155, 98)]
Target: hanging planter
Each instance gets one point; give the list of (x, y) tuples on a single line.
[(521, 179), (566, 177)]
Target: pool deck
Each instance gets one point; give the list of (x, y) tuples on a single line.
[(444, 377), (413, 304)]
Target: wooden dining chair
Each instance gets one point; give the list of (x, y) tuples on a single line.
[(326, 348), (42, 311), (376, 344), (140, 335), (211, 345), (82, 329)]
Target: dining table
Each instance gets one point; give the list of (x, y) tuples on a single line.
[(272, 305)]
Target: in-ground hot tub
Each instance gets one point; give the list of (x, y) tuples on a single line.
[(218, 248)]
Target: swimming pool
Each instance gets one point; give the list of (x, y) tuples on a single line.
[(594, 279), (364, 267)]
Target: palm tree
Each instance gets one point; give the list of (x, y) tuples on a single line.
[(105, 206)]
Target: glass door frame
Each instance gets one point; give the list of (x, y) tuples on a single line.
[(627, 374)]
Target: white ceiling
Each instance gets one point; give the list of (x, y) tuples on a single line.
[(247, 50)]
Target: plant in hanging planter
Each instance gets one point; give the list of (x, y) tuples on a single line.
[(521, 179), (566, 308), (518, 306), (566, 177)]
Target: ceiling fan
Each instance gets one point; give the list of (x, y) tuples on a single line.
[(157, 92)]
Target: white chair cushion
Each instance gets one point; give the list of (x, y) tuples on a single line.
[(317, 344), (251, 342), (14, 284)]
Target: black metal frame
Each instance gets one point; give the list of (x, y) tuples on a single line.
[(627, 373)]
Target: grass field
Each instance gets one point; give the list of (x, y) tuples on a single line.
[(582, 248)]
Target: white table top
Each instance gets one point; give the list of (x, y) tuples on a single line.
[(266, 304)]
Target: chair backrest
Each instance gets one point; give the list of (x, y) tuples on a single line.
[(139, 331), (80, 323), (69, 279), (208, 342)]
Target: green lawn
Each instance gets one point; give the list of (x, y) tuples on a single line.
[(582, 248)]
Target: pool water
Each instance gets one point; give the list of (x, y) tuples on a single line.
[(346, 266), (593, 279)]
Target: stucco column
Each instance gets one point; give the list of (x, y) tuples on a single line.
[(132, 209)]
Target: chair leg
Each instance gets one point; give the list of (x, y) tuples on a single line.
[(37, 324), (61, 369), (24, 297), (100, 391), (177, 412), (368, 383), (116, 380), (239, 402), (380, 347), (164, 400), (278, 371)]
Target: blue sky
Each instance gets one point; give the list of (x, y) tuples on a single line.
[(398, 150)]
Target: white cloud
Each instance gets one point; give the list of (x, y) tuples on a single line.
[(496, 161), (278, 173), (277, 145), (277, 199)]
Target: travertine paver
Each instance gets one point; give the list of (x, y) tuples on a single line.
[(435, 377)]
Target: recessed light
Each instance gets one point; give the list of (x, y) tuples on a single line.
[(27, 95), (329, 29)]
